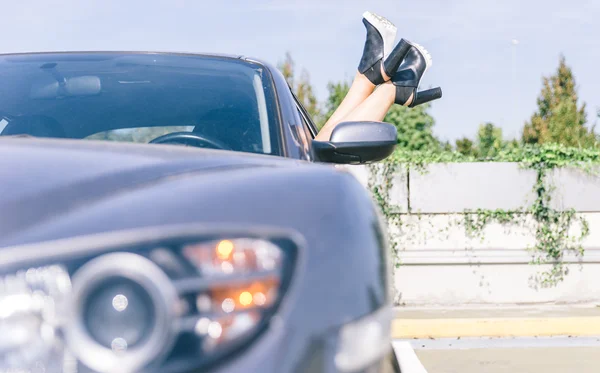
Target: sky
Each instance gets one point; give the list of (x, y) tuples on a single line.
[(485, 77)]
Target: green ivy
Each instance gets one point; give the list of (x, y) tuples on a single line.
[(380, 183), (552, 227)]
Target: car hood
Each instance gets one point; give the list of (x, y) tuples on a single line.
[(45, 178), (56, 191)]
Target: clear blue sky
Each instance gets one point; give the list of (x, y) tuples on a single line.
[(470, 41)]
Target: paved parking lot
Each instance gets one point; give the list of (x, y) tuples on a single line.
[(512, 360), (506, 355)]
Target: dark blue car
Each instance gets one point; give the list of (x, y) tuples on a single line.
[(172, 213)]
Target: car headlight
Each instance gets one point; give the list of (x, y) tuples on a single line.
[(31, 305), (164, 305)]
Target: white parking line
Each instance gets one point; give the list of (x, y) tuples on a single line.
[(492, 342), (407, 359)]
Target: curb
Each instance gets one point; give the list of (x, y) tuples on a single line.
[(495, 327), (407, 358)]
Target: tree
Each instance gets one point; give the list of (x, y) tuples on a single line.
[(489, 140), (446, 146), (559, 118), (337, 92), (301, 88), (287, 67), (466, 147), (488, 143), (513, 144), (415, 127)]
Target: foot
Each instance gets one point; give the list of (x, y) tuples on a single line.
[(381, 34), (408, 76)]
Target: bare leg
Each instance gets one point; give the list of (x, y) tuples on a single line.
[(376, 106), (360, 89), (362, 103), (379, 42)]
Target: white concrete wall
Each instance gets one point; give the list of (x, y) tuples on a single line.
[(441, 265)]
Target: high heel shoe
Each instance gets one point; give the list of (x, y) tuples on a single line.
[(426, 96), (408, 75), (381, 34)]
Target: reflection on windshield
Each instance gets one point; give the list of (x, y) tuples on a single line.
[(139, 135), (3, 123)]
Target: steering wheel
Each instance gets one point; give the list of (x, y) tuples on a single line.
[(189, 139)]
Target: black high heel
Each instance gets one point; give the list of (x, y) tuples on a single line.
[(426, 96), (408, 76), (381, 34)]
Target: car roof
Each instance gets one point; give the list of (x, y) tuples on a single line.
[(181, 53), (223, 55), (176, 53)]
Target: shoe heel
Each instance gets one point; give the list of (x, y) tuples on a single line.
[(393, 61), (427, 96)]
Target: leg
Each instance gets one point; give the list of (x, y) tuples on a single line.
[(405, 65), (376, 106), (359, 91), (401, 89), (381, 34)]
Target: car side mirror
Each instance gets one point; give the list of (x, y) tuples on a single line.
[(357, 143)]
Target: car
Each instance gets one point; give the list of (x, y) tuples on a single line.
[(172, 212)]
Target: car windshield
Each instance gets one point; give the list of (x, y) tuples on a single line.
[(202, 101)]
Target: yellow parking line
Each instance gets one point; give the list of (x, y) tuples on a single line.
[(495, 327)]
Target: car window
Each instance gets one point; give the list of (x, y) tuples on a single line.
[(135, 96)]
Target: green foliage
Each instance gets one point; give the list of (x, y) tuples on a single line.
[(302, 88), (559, 118), (420, 158), (415, 127), (287, 68), (466, 147), (380, 184), (476, 221), (553, 228), (337, 92), (488, 143), (489, 140), (446, 146), (512, 145)]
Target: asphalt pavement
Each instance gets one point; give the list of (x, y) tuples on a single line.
[(561, 339), (512, 360), (500, 355)]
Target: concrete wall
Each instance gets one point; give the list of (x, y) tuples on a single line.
[(441, 265)]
